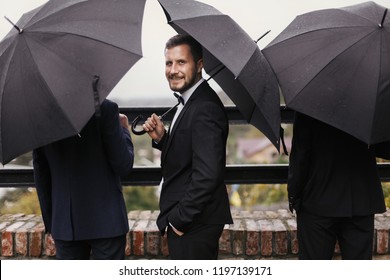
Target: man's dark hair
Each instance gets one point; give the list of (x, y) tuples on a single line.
[(180, 39)]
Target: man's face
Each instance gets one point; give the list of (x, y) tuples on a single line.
[(181, 70)]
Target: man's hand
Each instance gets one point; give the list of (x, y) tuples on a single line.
[(178, 232), (154, 127), (124, 121)]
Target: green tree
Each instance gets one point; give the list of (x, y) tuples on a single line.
[(386, 192), (141, 198), (24, 200), (261, 194)]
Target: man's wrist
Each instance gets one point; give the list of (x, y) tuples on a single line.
[(159, 139), (178, 232)]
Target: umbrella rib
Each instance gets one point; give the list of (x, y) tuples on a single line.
[(2, 97), (33, 21), (307, 84), (47, 17), (69, 63), (328, 28), (381, 16), (359, 16), (93, 39), (216, 70), (311, 31), (47, 86), (197, 17), (377, 90), (89, 38)]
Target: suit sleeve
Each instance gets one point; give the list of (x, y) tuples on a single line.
[(116, 139), (208, 164), (299, 161), (42, 178), (160, 145)]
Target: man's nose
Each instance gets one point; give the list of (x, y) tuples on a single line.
[(174, 68)]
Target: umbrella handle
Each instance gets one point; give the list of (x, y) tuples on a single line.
[(134, 125), (141, 117), (96, 95)]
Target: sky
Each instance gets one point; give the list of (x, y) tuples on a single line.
[(146, 78)]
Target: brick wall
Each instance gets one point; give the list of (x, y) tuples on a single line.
[(254, 235)]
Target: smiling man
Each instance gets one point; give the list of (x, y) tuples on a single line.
[(194, 205)]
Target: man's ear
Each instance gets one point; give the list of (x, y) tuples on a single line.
[(199, 66)]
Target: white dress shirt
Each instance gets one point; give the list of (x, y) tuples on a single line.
[(186, 96)]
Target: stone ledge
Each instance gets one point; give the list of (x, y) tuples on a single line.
[(254, 235)]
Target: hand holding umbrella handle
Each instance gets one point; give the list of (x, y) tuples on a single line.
[(141, 117), (134, 124)]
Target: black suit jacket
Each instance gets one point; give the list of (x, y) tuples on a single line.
[(193, 163), (332, 173), (78, 180)]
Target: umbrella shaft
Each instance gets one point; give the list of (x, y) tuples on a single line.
[(14, 25), (221, 67), (383, 19), (163, 115), (262, 36)]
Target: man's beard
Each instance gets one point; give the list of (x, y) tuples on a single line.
[(186, 86)]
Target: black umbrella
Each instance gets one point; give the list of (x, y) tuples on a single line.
[(234, 61), (334, 65), (48, 64)]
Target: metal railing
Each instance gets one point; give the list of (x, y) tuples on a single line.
[(151, 176)]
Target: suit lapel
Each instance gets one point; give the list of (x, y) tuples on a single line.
[(174, 128), (201, 88)]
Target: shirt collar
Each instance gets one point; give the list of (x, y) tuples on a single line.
[(187, 94)]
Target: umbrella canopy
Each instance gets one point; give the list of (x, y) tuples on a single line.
[(334, 65), (48, 63), (233, 60)]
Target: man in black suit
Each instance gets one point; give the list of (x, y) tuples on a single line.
[(334, 187), (194, 205), (79, 190)]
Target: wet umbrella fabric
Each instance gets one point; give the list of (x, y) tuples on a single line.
[(334, 65), (242, 71), (48, 68)]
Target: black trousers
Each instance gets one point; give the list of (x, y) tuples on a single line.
[(97, 249), (317, 236), (200, 242)]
